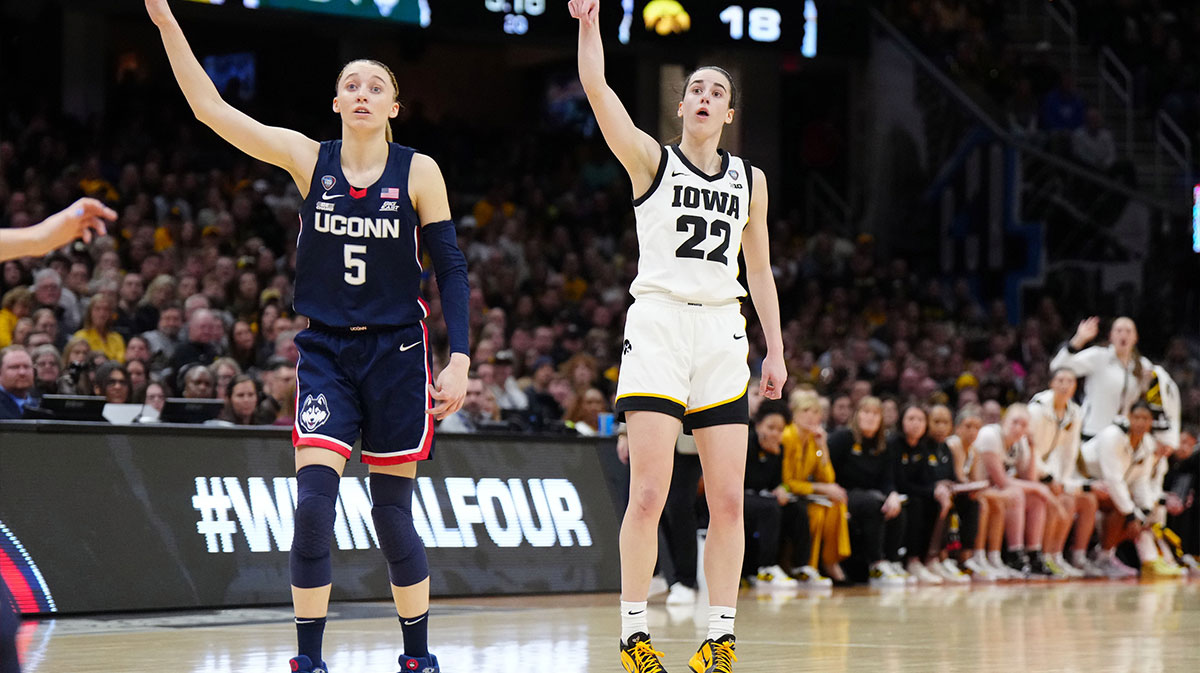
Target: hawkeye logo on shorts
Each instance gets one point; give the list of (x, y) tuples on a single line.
[(314, 413), (328, 182)]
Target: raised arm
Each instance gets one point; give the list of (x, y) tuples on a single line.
[(761, 281), (80, 219), (635, 149), (284, 148)]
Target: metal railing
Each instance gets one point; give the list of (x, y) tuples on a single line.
[(823, 204), (1169, 139), (1062, 14), (953, 93), (1114, 75)]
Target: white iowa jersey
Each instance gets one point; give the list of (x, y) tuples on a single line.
[(689, 228)]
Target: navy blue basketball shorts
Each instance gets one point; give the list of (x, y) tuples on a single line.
[(374, 382)]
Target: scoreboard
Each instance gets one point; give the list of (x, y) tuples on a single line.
[(806, 27)]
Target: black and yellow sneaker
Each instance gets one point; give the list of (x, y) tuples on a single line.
[(714, 656), (639, 656)]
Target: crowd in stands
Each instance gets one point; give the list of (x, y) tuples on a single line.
[(190, 295)]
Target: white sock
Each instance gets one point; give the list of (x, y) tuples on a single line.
[(980, 554), (1107, 554), (1078, 557), (720, 621), (993, 557), (633, 619)]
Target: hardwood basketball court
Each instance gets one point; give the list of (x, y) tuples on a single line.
[(1079, 626)]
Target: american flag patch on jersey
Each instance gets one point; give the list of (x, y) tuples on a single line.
[(390, 193)]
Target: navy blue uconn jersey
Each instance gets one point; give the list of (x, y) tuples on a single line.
[(358, 254)]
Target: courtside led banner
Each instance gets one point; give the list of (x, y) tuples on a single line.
[(193, 517)]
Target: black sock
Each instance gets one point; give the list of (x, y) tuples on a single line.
[(416, 635), (309, 633)]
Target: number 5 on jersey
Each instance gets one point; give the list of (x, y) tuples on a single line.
[(356, 269)]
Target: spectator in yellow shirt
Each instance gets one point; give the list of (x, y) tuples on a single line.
[(807, 471), (96, 329), (16, 304)]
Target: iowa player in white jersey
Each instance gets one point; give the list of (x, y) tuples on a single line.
[(685, 346), (371, 208)]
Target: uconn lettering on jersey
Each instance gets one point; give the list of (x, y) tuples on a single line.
[(711, 200), (356, 227)]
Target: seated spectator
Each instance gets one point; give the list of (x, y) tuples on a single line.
[(97, 329), (508, 391), (47, 367), (1004, 451), (137, 348), (22, 331), (48, 292), (45, 322), (840, 411), (472, 414), (242, 403), (155, 396), (285, 346), (17, 303), (198, 383), (864, 468), (139, 375), (132, 289), (585, 413), (224, 370), (770, 510), (166, 337), (542, 404), (244, 345), (279, 386), (1055, 427), (77, 368), (112, 383), (1063, 108), (158, 296), (204, 341), (16, 382), (1093, 144), (808, 472)]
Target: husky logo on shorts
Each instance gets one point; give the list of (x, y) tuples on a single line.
[(328, 181), (314, 413), (626, 347)]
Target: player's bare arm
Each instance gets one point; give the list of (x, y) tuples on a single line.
[(635, 149), (761, 282), (81, 219), (427, 190), (287, 149)]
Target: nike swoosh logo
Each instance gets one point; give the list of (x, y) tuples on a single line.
[(636, 613), (726, 616), (329, 197), (676, 174), (415, 621), (411, 345), (739, 337)]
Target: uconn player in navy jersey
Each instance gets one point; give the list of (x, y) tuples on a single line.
[(370, 208), (83, 218), (684, 354)]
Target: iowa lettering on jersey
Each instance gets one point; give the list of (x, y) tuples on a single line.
[(356, 227), (711, 200)]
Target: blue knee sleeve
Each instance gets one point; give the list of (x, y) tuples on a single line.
[(391, 499), (316, 491)]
